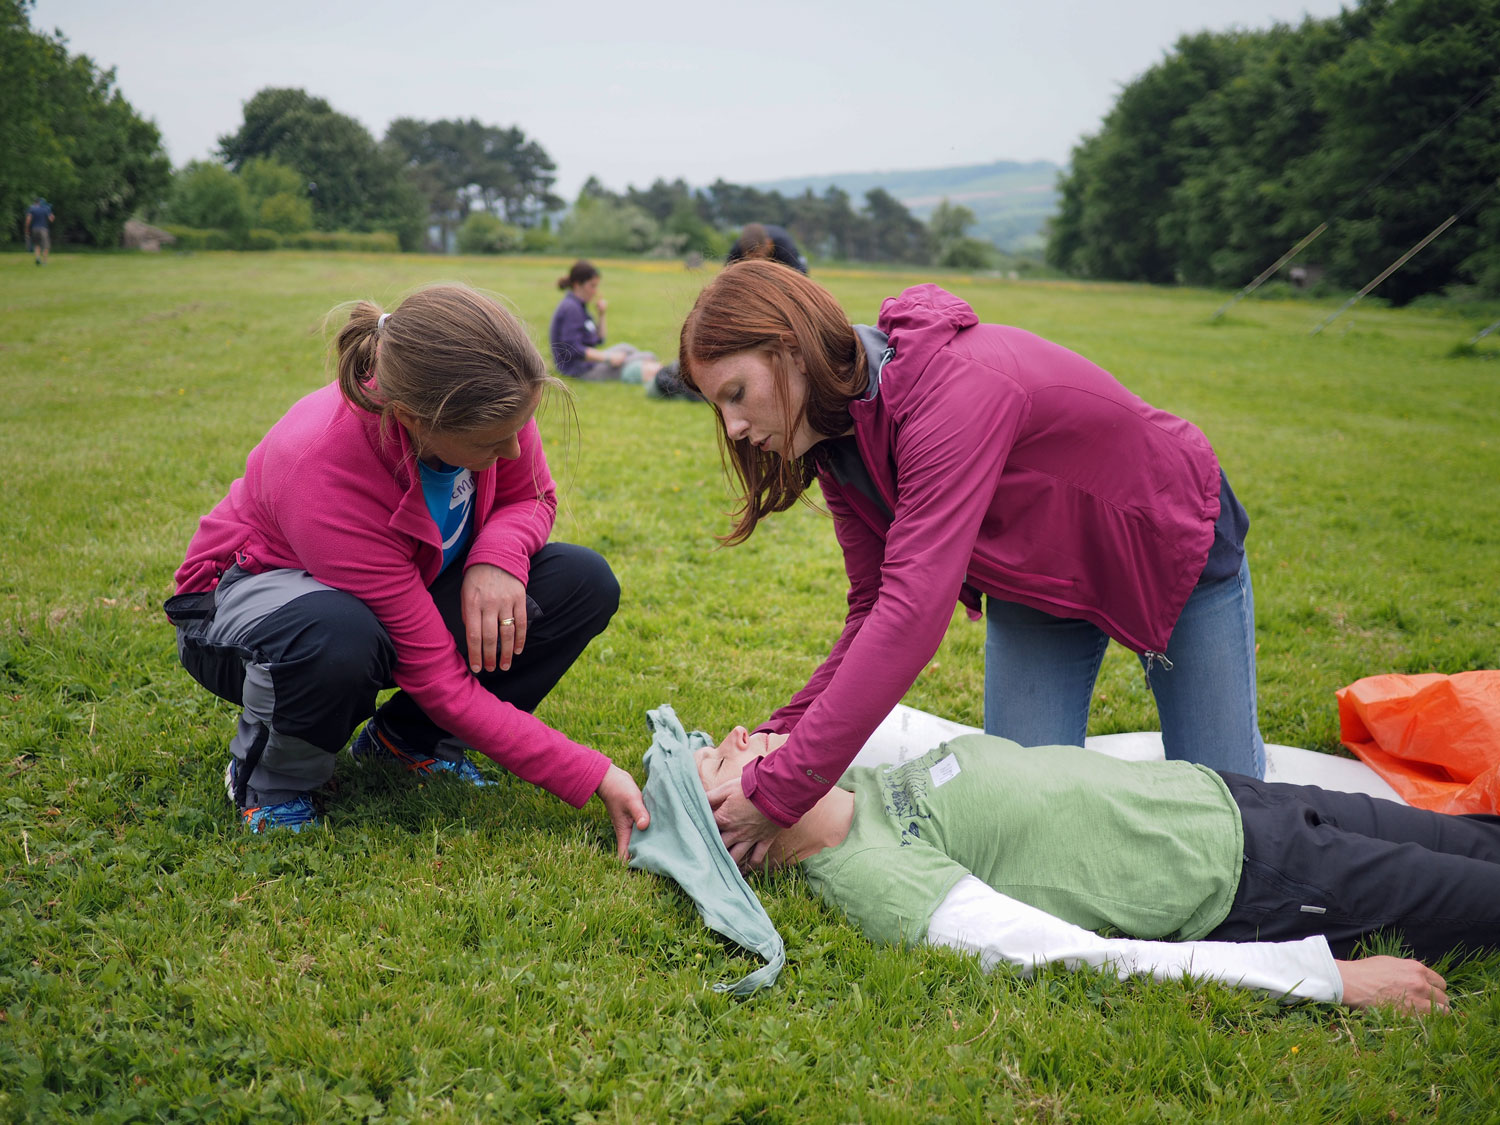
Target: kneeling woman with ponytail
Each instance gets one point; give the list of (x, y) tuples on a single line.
[(391, 530)]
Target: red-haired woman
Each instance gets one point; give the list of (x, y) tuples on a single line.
[(963, 461)]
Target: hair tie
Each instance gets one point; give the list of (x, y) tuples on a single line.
[(379, 324)]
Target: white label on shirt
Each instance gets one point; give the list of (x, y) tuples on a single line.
[(463, 488), (945, 771)]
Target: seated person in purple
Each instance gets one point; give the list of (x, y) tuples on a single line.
[(578, 342), (578, 336)]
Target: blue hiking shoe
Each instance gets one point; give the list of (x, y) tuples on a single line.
[(375, 744), (293, 815)]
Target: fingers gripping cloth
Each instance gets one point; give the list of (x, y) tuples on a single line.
[(683, 844)]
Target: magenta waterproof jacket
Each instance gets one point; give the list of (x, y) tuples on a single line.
[(330, 491), (1011, 467)]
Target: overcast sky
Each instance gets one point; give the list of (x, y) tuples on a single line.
[(634, 89)]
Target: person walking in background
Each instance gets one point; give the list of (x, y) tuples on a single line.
[(767, 241), (962, 460), (391, 530), (38, 226)]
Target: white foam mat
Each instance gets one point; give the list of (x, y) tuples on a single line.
[(907, 733)]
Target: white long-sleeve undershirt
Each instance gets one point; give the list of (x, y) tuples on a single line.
[(978, 919)]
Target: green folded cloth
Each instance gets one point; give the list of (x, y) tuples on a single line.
[(683, 844)]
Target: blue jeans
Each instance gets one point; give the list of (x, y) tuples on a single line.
[(1039, 674)]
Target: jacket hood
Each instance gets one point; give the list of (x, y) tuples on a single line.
[(921, 321)]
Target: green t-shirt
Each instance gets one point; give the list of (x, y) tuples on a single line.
[(1148, 849)]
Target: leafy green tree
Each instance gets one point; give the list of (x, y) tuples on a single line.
[(1384, 120), (1241, 200), (848, 231), (66, 133), (808, 220), (210, 196), (662, 199), (435, 170), (733, 205), (896, 235), (593, 188), (538, 239), (696, 235), (947, 229), (1120, 189), (353, 182), (458, 166), (1421, 62), (949, 221)]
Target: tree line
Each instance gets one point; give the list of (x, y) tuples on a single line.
[(68, 134), (488, 188), (1383, 120), (297, 164), (672, 218)]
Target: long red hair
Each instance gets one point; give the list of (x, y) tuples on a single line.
[(766, 307)]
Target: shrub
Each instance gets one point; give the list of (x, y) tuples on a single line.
[(264, 177), (209, 197), (538, 240), (603, 227), (370, 242), (197, 238), (285, 213), (484, 233), (967, 254), (262, 240), (201, 238)]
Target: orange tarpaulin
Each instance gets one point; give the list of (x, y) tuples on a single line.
[(1434, 738)]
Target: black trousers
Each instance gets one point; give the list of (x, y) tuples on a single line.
[(1350, 866), (306, 662), (571, 595)]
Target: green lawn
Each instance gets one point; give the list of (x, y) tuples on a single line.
[(448, 955)]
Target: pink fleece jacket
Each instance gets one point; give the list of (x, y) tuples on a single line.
[(1013, 467), (326, 491)]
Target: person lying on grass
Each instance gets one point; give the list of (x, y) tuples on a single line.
[(1028, 856)]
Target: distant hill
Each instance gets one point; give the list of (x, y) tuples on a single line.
[(1011, 202)]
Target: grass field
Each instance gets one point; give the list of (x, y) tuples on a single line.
[(448, 955)]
